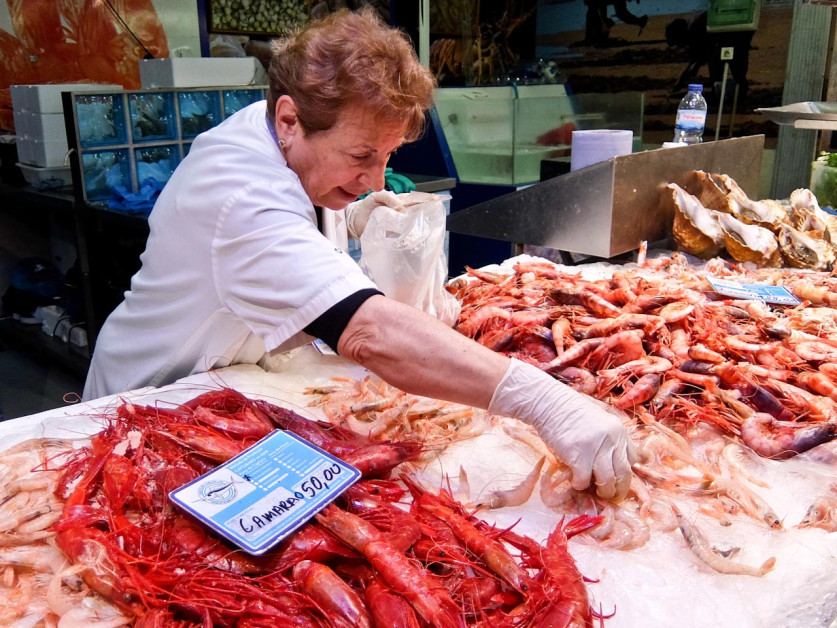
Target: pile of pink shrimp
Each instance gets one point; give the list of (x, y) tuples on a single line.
[(705, 384), (382, 412), (693, 374), (38, 584), (660, 342), (387, 552)]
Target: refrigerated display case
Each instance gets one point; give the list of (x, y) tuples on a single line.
[(500, 135)]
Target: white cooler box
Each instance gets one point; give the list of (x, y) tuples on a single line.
[(40, 133), (201, 72), (43, 153), (46, 98)]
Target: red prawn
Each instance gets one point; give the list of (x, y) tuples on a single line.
[(431, 602)]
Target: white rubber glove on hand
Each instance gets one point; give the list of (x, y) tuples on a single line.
[(590, 440), (357, 213)]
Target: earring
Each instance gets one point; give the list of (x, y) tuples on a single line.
[(282, 144)]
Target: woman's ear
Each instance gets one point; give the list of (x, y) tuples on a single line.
[(285, 118)]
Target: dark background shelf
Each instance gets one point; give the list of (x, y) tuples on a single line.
[(18, 336)]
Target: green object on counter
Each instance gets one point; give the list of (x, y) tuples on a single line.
[(824, 179), (396, 183)]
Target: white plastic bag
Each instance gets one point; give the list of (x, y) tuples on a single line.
[(403, 252)]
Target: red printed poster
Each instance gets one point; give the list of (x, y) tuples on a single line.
[(76, 41)]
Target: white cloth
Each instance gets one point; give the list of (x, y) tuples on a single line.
[(334, 227), (234, 266)]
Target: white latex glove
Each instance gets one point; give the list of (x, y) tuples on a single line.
[(357, 213), (590, 440)]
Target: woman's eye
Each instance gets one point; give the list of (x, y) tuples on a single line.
[(359, 158)]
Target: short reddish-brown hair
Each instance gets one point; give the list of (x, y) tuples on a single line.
[(350, 58)]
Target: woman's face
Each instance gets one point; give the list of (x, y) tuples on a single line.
[(338, 165)]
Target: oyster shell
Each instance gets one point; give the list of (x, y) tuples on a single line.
[(803, 251), (808, 216), (713, 193), (722, 193), (749, 243), (696, 230), (766, 213)]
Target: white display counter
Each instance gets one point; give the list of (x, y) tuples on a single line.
[(659, 584)]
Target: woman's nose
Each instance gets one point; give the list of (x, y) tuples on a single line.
[(374, 177)]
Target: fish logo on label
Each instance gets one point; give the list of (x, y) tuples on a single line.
[(218, 492)]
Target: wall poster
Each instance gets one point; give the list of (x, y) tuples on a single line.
[(79, 41)]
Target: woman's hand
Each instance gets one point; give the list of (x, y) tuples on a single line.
[(357, 213), (590, 440)]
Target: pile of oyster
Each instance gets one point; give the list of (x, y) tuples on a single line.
[(770, 233)]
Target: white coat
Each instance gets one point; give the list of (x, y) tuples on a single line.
[(234, 266)]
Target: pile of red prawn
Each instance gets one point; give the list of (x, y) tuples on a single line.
[(381, 555), (659, 343)]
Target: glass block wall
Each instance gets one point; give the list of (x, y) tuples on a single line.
[(125, 138)]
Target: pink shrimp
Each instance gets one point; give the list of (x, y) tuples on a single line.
[(649, 323), (576, 352), (772, 438), (819, 383), (643, 390), (701, 352), (519, 494), (829, 369), (488, 277), (619, 348), (699, 545), (569, 294), (821, 514), (642, 366), (676, 311), (816, 351), (578, 379), (481, 319), (560, 334), (667, 391)]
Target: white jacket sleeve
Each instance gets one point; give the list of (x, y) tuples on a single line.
[(590, 440)]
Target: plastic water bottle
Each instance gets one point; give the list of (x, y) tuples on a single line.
[(691, 117)]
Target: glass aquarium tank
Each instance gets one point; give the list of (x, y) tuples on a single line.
[(500, 135)]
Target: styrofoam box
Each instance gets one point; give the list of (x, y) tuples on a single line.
[(46, 98), (40, 126), (46, 178), (42, 153), (201, 72)]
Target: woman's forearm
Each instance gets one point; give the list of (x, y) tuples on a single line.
[(420, 355)]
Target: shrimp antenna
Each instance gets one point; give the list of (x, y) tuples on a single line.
[(148, 54)]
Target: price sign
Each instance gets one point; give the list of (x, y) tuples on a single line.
[(266, 492), (777, 295)]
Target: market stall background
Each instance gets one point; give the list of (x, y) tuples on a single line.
[(644, 62)]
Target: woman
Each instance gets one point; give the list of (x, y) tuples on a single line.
[(235, 266)]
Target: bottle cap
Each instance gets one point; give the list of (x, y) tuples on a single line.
[(695, 87)]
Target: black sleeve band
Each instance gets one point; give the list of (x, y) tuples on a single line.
[(330, 324)]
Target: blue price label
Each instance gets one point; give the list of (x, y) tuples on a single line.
[(266, 492), (777, 295)]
